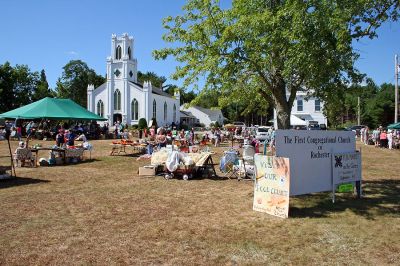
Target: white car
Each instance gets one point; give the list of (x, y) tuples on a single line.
[(262, 133), (239, 124)]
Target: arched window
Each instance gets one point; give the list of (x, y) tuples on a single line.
[(154, 109), (117, 100), (129, 53), (100, 108), (165, 111), (135, 109), (174, 116), (118, 52)]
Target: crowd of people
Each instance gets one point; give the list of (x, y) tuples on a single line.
[(47, 129), (380, 137)]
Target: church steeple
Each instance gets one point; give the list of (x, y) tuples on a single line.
[(123, 65)]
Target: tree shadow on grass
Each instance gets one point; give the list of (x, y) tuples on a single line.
[(20, 181), (380, 198)]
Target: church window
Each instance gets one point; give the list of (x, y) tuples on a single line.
[(117, 100), (118, 52), (129, 53), (130, 73), (174, 117), (154, 109), (117, 72), (165, 111), (100, 108), (135, 109)]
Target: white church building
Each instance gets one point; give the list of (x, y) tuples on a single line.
[(122, 98)]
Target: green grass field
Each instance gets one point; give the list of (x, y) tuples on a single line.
[(102, 212)]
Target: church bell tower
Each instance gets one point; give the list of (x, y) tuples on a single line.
[(122, 65)]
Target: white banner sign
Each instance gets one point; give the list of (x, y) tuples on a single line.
[(346, 167), (310, 154)]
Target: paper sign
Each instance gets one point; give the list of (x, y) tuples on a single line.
[(346, 167), (271, 187)]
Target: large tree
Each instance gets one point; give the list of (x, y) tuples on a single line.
[(17, 85), (75, 79), (155, 79), (281, 46), (42, 89)]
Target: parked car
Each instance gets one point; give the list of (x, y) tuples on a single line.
[(262, 133), (323, 127), (314, 127), (239, 124)]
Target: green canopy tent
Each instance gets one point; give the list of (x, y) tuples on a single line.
[(394, 126), (54, 109)]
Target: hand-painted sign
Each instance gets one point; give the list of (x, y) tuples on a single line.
[(271, 187)]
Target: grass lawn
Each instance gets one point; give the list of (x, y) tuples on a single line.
[(102, 212)]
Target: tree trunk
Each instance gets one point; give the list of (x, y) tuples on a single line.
[(283, 114), (283, 104)]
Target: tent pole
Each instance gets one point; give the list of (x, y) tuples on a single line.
[(11, 156)]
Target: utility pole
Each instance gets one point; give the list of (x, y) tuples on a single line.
[(396, 89), (358, 111)]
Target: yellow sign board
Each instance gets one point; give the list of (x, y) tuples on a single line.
[(271, 187)]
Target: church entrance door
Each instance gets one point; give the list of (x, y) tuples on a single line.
[(117, 117)]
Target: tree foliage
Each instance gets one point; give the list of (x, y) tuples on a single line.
[(155, 79), (42, 89), (376, 105), (17, 86), (74, 81), (274, 47)]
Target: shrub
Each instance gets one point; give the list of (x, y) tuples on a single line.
[(142, 124)]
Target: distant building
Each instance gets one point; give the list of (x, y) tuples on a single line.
[(205, 116), (122, 98), (306, 110), (188, 119)]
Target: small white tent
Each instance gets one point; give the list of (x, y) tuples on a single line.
[(295, 121)]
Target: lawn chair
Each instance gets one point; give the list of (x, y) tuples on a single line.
[(24, 155), (248, 160), (230, 164)]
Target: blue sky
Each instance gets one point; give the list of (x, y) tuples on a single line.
[(46, 34)]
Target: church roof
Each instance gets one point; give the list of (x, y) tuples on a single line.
[(187, 114), (209, 112), (155, 90)]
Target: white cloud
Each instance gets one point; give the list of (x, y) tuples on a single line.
[(72, 53)]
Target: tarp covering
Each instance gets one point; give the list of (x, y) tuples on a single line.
[(394, 126), (295, 121), (52, 108)]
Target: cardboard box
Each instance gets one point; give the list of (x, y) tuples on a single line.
[(147, 170)]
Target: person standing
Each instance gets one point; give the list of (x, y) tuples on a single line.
[(390, 138), (366, 135), (60, 138), (362, 131), (375, 135), (383, 139)]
